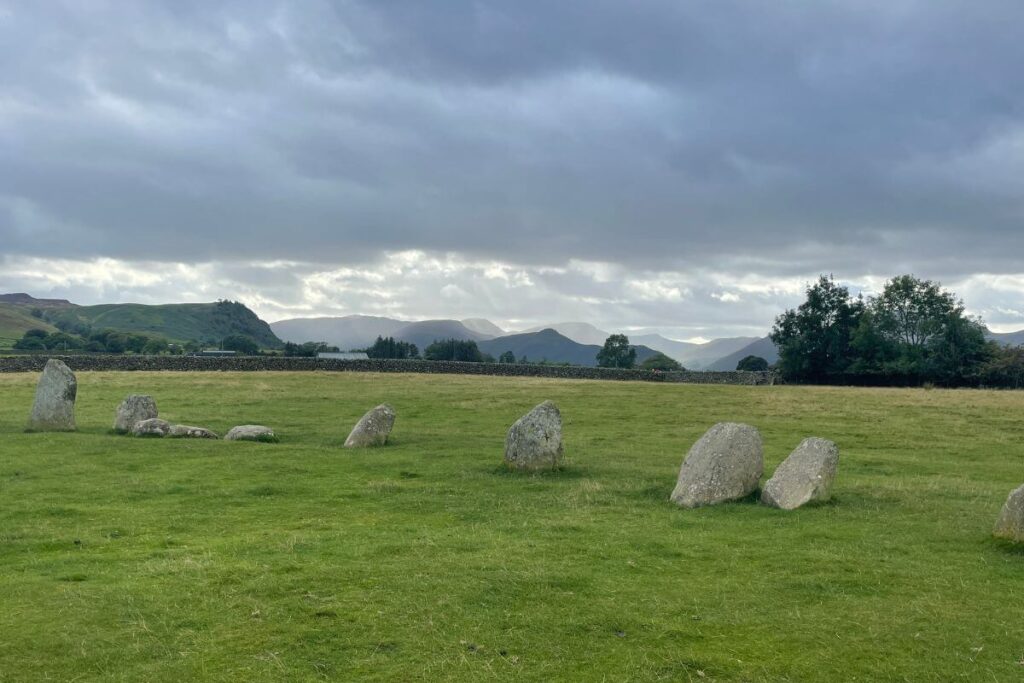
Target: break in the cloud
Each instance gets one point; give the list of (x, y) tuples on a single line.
[(634, 164)]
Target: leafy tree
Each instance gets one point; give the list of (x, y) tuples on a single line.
[(616, 353), (155, 347), (30, 344), (507, 357), (241, 343), (814, 340), (36, 333), (752, 364), (454, 349), (37, 313), (61, 341), (659, 361), (308, 349), (917, 330), (1004, 367)]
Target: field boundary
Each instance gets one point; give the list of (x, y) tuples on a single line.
[(35, 363)]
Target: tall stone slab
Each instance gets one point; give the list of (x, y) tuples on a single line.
[(54, 406), (534, 442)]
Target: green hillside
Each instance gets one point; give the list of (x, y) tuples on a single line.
[(15, 321), (175, 322)]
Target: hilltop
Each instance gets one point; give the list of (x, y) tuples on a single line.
[(174, 322)]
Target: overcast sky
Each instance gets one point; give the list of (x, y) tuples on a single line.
[(686, 167)]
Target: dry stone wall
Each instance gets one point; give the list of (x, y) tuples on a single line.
[(35, 363)]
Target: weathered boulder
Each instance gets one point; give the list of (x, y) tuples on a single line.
[(251, 433), (54, 406), (725, 464), (189, 432), (135, 408), (373, 428), (154, 426), (1010, 524), (534, 442), (805, 476)]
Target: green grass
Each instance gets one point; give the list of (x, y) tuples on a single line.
[(168, 560)]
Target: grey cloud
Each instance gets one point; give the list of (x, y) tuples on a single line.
[(863, 137)]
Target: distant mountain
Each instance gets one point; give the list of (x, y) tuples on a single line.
[(426, 332), (1006, 338), (347, 332), (483, 326), (765, 348), (682, 351), (174, 322), (549, 345), (583, 333)]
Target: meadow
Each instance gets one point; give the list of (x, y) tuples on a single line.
[(128, 559)]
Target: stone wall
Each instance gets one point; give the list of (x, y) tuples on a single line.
[(35, 363)]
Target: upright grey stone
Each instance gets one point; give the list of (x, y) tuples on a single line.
[(725, 464), (805, 476), (534, 442), (1010, 524), (251, 433), (54, 406), (154, 426), (373, 428), (190, 432), (135, 408)]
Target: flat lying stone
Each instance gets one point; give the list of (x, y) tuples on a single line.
[(725, 464), (134, 408), (373, 428), (1010, 524), (534, 442), (189, 432), (54, 407), (805, 476), (153, 427), (251, 433)]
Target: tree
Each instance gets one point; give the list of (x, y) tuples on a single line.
[(659, 361), (241, 343), (507, 357), (36, 333), (752, 364), (390, 348), (454, 349), (616, 353), (155, 347), (30, 344), (814, 340), (917, 330)]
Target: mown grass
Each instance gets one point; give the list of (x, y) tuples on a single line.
[(169, 560)]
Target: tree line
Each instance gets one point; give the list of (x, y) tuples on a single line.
[(914, 332)]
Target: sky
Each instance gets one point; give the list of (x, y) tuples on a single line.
[(652, 165)]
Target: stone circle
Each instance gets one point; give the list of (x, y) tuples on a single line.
[(373, 428), (805, 476), (534, 442), (54, 407), (725, 464)]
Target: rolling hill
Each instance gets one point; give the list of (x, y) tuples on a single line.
[(15, 321), (552, 346), (174, 322), (347, 332), (484, 326), (1006, 338)]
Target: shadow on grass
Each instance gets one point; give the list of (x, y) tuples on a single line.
[(1008, 547)]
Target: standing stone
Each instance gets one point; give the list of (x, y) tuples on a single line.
[(805, 476), (190, 432), (534, 442), (54, 407), (251, 433), (725, 464), (373, 428), (133, 409), (1010, 524), (154, 426)]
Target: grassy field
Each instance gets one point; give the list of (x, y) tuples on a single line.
[(15, 321), (156, 560)]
